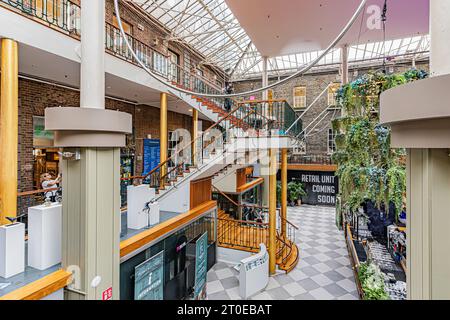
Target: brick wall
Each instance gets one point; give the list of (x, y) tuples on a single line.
[(315, 83), (34, 97)]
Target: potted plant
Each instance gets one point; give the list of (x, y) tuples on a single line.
[(295, 192)]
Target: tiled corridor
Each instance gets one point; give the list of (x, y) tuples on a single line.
[(323, 272)]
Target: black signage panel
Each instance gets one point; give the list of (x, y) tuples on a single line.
[(321, 187)]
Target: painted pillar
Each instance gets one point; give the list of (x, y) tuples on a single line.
[(9, 126), (440, 37), (194, 136), (428, 188), (272, 210), (163, 136), (284, 195), (91, 185)]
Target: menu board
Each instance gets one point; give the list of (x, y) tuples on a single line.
[(148, 279), (152, 150), (201, 265)]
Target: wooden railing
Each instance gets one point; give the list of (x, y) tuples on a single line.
[(286, 239), (241, 234)]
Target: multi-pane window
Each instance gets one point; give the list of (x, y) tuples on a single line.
[(160, 63), (331, 141), (332, 91), (174, 73), (300, 97)]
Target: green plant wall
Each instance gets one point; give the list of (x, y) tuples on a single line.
[(368, 168)]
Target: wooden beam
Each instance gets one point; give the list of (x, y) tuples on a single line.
[(134, 243), (41, 288)]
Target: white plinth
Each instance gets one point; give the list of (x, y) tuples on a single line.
[(12, 250), (137, 197), (154, 213), (44, 236)]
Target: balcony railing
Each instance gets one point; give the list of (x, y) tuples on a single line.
[(66, 16), (62, 14)]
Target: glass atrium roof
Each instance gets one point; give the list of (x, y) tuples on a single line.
[(211, 28), (207, 25)]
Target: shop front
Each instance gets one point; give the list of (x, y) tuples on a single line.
[(174, 267)]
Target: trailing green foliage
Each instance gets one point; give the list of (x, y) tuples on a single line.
[(372, 282), (368, 169)]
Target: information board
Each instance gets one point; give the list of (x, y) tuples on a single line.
[(152, 149), (321, 187), (149, 279), (201, 264)]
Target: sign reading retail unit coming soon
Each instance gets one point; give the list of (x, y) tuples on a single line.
[(321, 187), (148, 279)]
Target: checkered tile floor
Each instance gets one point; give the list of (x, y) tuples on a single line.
[(323, 272)]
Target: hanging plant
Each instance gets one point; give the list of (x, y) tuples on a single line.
[(368, 169)]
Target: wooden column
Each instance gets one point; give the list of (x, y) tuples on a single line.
[(194, 136), (163, 135), (9, 126), (284, 165), (272, 211)]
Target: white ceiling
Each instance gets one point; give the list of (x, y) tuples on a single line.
[(284, 27)]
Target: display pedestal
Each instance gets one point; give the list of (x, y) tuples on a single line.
[(44, 236), (12, 250), (137, 215)]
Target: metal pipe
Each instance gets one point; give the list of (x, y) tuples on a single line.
[(295, 75)]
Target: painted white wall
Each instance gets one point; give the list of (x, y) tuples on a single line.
[(227, 183)]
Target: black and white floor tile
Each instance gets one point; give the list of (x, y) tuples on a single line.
[(323, 272)]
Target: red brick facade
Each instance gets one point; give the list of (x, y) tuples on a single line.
[(34, 97)]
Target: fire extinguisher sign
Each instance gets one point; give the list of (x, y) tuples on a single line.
[(107, 294)]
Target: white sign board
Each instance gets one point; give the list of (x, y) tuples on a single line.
[(254, 273)]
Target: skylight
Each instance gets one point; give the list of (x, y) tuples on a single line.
[(211, 28)]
